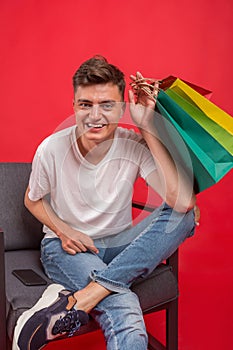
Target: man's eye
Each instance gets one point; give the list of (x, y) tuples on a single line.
[(84, 105), (107, 106)]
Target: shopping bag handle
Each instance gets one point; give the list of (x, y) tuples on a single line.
[(149, 86)]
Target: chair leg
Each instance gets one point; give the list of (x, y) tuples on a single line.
[(3, 334), (172, 326), (154, 344)]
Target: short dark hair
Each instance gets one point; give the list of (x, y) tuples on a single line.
[(97, 70)]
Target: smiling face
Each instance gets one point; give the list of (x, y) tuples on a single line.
[(97, 110)]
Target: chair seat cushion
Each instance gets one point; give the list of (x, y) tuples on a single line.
[(158, 288)]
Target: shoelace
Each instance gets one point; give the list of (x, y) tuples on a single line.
[(69, 323)]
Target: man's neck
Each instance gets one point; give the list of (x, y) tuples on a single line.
[(93, 151)]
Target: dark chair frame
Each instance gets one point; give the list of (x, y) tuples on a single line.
[(171, 307)]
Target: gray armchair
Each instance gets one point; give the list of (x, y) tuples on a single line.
[(20, 237)]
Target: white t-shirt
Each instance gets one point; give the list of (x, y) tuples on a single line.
[(94, 199)]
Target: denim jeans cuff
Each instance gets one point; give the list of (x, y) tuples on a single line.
[(113, 286)]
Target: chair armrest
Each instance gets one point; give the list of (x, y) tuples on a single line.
[(143, 206), (2, 292)]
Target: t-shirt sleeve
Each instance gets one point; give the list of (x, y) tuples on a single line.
[(39, 183)]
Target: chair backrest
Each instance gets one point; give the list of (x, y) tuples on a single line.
[(21, 229)]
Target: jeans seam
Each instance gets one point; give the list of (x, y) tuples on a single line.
[(112, 328), (60, 269)]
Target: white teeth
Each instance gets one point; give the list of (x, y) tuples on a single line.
[(90, 125)]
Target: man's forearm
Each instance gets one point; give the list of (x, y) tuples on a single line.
[(177, 188), (42, 210)]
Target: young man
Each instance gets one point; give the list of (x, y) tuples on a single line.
[(90, 249)]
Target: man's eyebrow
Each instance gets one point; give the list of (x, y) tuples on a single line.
[(108, 101), (84, 100)]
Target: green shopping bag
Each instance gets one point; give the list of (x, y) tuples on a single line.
[(220, 134), (210, 161)]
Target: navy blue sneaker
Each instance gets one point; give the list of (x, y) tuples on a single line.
[(52, 316)]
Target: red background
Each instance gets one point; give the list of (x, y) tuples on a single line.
[(43, 43)]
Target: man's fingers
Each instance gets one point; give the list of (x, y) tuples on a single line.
[(83, 247), (139, 75), (197, 215), (93, 249), (80, 246), (73, 247), (132, 77)]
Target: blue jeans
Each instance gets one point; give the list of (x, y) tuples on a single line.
[(119, 263)]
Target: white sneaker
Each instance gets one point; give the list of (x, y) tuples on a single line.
[(52, 316)]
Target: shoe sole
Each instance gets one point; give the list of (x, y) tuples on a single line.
[(47, 298)]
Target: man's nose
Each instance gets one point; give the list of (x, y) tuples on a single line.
[(95, 112)]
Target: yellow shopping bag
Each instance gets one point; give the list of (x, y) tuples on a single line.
[(210, 109)]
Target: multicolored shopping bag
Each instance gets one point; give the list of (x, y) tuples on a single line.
[(206, 130), (210, 161), (210, 109), (219, 133)]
